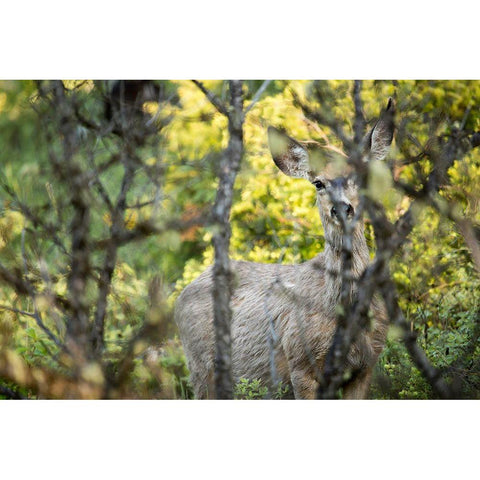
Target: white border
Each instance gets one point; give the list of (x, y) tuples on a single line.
[(238, 440), (248, 39)]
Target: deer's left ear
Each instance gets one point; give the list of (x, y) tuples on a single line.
[(380, 138)]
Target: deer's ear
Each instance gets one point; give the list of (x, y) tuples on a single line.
[(381, 136), (289, 156)]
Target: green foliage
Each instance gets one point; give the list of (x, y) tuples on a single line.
[(174, 363), (395, 376), (449, 333), (250, 390), (246, 389)]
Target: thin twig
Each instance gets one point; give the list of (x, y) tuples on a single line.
[(257, 95), (27, 212), (317, 116), (214, 100), (147, 228), (33, 294), (16, 310), (102, 191), (110, 259), (359, 119)]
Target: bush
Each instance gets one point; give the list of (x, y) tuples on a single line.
[(254, 390)]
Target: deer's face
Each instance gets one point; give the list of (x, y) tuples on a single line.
[(337, 194), (337, 198)]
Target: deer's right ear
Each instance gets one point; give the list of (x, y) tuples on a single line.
[(289, 156)]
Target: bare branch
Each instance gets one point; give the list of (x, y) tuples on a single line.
[(257, 95), (359, 122), (98, 183), (49, 228), (319, 117), (222, 284), (16, 310), (148, 228), (110, 260), (214, 100)]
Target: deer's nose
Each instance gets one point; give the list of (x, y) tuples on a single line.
[(342, 208)]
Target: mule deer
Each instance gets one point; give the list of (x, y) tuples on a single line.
[(284, 316)]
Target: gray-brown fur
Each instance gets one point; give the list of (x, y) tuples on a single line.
[(284, 316)]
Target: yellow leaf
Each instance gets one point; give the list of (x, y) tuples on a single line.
[(131, 220), (107, 219)]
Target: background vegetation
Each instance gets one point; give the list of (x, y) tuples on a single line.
[(167, 149)]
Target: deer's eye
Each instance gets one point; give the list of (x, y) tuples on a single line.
[(319, 185)]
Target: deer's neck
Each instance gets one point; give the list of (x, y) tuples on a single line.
[(334, 259)]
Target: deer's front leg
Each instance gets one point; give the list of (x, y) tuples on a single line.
[(305, 359), (358, 389), (304, 385)]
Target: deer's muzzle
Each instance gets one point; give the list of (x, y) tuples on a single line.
[(342, 208)]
